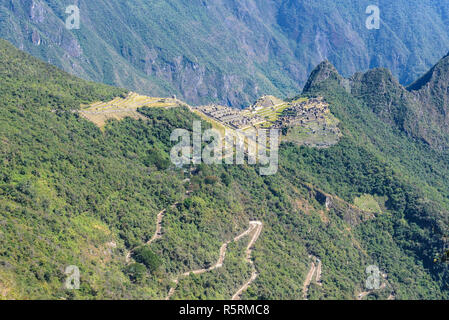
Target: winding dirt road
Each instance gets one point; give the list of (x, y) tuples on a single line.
[(365, 293), (157, 233), (253, 225), (313, 268), (222, 254), (239, 293), (249, 249), (308, 280)]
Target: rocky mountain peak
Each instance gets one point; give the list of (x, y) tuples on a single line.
[(324, 71), (437, 77)]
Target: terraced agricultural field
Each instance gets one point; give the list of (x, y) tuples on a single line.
[(320, 132), (269, 111), (315, 133), (122, 107)]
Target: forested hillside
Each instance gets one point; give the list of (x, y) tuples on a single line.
[(230, 52), (73, 194)]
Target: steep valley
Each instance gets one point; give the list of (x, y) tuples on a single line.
[(226, 52)]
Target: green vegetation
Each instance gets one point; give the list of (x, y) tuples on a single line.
[(220, 284), (368, 203), (136, 272), (71, 194), (378, 159), (147, 257)]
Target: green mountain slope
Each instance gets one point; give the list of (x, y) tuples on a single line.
[(230, 52), (72, 194)]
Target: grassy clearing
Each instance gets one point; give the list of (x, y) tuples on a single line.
[(367, 203)]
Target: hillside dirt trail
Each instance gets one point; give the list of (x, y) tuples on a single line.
[(315, 269), (157, 233), (308, 280), (249, 249), (222, 254), (365, 293)]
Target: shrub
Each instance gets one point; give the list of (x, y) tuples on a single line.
[(211, 180)]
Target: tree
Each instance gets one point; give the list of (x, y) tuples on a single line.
[(136, 272), (148, 258)]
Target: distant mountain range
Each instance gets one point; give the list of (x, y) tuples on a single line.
[(230, 51)]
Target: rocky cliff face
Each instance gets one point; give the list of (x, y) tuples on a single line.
[(385, 95), (432, 91), (405, 43), (230, 51), (216, 51)]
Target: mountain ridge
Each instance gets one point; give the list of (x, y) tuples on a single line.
[(420, 110), (227, 52)]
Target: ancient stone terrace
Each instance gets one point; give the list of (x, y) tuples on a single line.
[(122, 107), (314, 109), (270, 112), (229, 116)]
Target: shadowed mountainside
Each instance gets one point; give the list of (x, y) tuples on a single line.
[(230, 52)]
